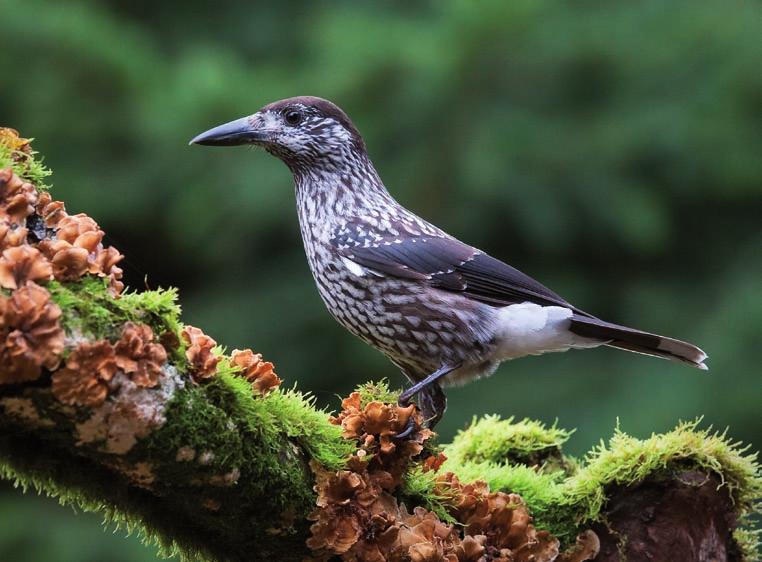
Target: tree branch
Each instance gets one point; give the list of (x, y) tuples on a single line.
[(108, 402)]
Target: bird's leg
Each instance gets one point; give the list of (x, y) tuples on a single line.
[(432, 400), (433, 403)]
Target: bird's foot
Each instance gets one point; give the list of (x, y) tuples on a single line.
[(410, 427), (432, 403)]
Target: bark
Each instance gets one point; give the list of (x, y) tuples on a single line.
[(688, 517)]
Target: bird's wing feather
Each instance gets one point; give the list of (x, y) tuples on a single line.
[(448, 264)]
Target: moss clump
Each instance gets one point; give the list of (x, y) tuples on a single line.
[(377, 391), (540, 490), (90, 310), (16, 153), (566, 502), (627, 461), (419, 488), (253, 450), (749, 542), (499, 441), (300, 420)]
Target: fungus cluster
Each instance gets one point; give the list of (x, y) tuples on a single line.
[(43, 249), (32, 337), (199, 351), (359, 516), (40, 241), (258, 372), (84, 381)]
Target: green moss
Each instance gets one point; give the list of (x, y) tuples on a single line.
[(90, 309), (377, 391), (249, 433), (158, 308), (230, 431), (196, 422), (749, 543), (419, 486), (493, 450), (300, 420), (29, 167), (627, 461), (563, 502), (495, 440), (540, 490), (282, 412)]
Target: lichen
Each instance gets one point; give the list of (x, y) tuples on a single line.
[(132, 413), (26, 411)]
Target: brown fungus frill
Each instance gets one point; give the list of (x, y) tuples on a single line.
[(259, 373), (31, 334), (20, 264), (375, 425), (84, 380), (424, 538), (499, 521), (586, 547), (358, 518), (51, 212), (17, 201), (200, 353), (139, 356), (77, 248)]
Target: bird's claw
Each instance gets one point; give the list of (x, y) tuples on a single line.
[(410, 427), (431, 403)]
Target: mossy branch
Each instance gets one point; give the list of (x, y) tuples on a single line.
[(186, 446)]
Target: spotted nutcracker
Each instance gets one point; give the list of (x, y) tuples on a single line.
[(444, 312)]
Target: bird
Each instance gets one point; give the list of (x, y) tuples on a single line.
[(444, 312)]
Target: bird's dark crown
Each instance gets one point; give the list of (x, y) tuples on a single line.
[(317, 106)]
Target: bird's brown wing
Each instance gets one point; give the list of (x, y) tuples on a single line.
[(451, 265), (447, 263)]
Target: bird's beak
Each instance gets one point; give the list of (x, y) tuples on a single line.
[(240, 131)]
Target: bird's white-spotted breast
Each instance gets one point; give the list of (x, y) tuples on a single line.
[(416, 326)]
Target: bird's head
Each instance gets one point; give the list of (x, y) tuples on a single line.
[(304, 132)]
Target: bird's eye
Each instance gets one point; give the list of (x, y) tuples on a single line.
[(292, 117)]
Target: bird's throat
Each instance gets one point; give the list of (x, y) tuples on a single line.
[(328, 196)]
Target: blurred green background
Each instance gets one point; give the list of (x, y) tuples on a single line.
[(613, 149)]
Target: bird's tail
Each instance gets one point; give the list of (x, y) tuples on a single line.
[(639, 342)]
